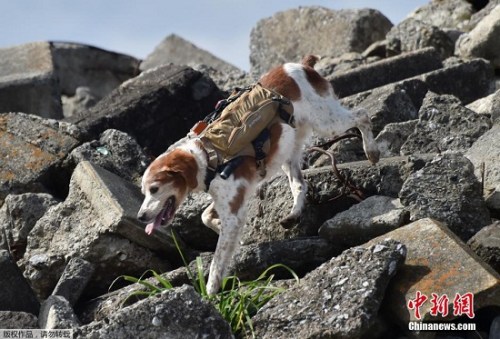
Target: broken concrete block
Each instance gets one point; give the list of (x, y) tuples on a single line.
[(56, 312), (93, 223), (445, 125), (412, 34), (489, 105), (18, 215), (468, 80), (116, 152), (15, 294), (436, 262), (485, 156), (28, 81), (174, 49), (483, 40), (175, 313), (370, 218), (31, 148), (17, 320), (391, 103), (74, 279), (486, 244), (325, 198), (339, 299), (116, 203), (342, 31), (447, 190), (386, 71), (157, 108), (99, 70), (393, 136)]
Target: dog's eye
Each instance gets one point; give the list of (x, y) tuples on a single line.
[(153, 190)]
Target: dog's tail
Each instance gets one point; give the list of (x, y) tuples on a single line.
[(310, 60)]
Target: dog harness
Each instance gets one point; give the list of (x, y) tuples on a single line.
[(239, 127)]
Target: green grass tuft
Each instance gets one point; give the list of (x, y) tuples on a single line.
[(238, 301)]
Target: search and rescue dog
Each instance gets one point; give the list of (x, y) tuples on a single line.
[(183, 168)]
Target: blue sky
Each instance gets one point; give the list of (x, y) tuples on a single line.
[(135, 27)]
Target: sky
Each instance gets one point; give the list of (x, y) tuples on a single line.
[(136, 27)]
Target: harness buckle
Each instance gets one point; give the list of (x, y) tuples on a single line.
[(261, 167)]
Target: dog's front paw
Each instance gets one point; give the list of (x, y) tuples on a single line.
[(213, 285), (290, 221)]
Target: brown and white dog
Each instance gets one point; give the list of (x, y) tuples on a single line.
[(182, 168)]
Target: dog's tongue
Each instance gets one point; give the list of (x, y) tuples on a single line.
[(155, 224)]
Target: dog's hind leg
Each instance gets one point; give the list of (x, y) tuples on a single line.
[(297, 183), (211, 219)]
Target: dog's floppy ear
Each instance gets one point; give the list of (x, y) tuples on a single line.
[(184, 164)]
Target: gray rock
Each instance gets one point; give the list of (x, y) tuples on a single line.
[(341, 32), (495, 328), (489, 105), (31, 148), (393, 136), (392, 103), (116, 152), (301, 255), (445, 125), (56, 312), (99, 70), (485, 156), (445, 14), (17, 320), (412, 34), (188, 225), (81, 101), (340, 299), (326, 196), (482, 13), (484, 40), (370, 218), (176, 50), (18, 215), (15, 294), (226, 81), (486, 244), (93, 223), (436, 262), (74, 279), (28, 81), (177, 313), (446, 189), (157, 108), (329, 66), (467, 80), (385, 71)]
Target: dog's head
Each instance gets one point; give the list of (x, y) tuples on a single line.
[(165, 185)]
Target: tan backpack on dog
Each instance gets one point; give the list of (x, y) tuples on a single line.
[(247, 114)]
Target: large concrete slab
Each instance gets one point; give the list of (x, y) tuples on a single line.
[(157, 108), (117, 202), (437, 262), (386, 71), (28, 80), (30, 149)]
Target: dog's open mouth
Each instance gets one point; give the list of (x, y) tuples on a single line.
[(164, 217)]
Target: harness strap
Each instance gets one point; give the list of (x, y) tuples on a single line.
[(212, 162), (260, 155)]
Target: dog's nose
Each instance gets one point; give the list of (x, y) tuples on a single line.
[(141, 216)]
